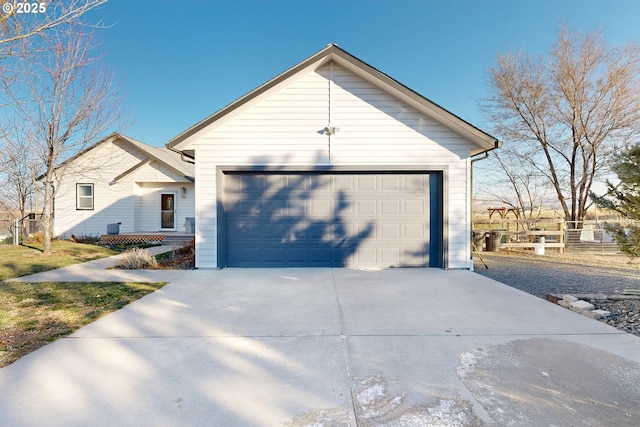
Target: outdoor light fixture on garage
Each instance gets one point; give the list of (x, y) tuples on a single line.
[(331, 130)]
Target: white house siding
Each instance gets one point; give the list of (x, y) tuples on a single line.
[(134, 200), (147, 205), (283, 127), (113, 202), (152, 179), (206, 218)]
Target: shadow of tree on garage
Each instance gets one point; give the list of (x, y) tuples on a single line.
[(285, 218)]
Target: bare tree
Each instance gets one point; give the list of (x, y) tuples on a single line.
[(67, 100), (19, 166), (510, 178), (20, 20), (567, 112)]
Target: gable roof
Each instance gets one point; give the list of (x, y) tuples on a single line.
[(163, 155), (333, 52)]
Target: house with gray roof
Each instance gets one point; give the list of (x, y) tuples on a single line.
[(121, 180)]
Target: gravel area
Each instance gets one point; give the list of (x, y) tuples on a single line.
[(570, 274)]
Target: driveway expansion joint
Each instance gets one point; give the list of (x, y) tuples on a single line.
[(353, 413)]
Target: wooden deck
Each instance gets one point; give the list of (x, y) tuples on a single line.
[(146, 237)]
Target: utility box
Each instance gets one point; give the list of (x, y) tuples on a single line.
[(113, 229), (190, 225)]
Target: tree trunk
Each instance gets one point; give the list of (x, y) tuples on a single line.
[(47, 216)]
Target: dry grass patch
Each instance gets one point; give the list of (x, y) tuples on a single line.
[(34, 314)]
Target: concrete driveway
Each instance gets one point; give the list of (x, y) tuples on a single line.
[(330, 347)]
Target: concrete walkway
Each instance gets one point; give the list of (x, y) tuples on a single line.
[(332, 347), (100, 270)]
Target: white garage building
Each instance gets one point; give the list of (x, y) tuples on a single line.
[(333, 163)]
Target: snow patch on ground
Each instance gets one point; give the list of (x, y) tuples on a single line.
[(376, 406)]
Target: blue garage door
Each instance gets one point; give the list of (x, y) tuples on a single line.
[(333, 219)]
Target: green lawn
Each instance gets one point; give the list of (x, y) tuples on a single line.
[(34, 314), (18, 261)]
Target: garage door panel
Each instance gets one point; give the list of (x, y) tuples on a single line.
[(248, 255), (415, 231), (390, 183), (344, 208), (273, 231), (366, 183), (390, 231), (414, 207), (297, 255), (275, 208), (416, 183), (321, 208), (329, 219), (251, 184), (366, 207), (239, 229), (366, 256), (343, 231), (390, 207), (390, 256), (344, 183), (318, 232), (297, 207), (248, 207), (320, 182)]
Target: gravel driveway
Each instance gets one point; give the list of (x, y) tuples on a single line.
[(540, 276)]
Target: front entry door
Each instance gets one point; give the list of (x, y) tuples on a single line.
[(168, 211)]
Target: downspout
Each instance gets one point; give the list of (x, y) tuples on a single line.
[(484, 155), (182, 155)]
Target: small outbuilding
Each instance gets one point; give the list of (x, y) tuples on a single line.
[(333, 163)]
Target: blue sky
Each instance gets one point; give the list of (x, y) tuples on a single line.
[(183, 60)]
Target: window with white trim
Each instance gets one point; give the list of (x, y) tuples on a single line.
[(84, 196)]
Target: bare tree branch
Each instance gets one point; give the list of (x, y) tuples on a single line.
[(17, 23)]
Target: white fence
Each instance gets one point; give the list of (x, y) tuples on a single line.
[(589, 236), (583, 236)]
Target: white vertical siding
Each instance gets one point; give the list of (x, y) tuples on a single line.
[(284, 127)]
